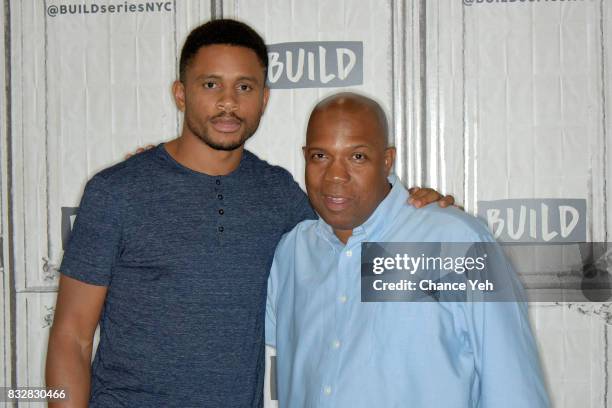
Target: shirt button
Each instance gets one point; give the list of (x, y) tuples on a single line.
[(349, 253), (220, 229), (336, 344), (342, 299), (327, 390), (217, 182), (220, 196), (221, 211)]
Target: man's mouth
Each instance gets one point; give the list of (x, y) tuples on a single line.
[(336, 202), (226, 124)]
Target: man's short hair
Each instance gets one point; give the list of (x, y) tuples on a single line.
[(222, 31)]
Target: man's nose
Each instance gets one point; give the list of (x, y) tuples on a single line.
[(336, 172), (227, 101)]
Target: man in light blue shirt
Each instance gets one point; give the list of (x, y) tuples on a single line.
[(334, 350)]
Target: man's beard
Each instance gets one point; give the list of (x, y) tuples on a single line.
[(202, 134)]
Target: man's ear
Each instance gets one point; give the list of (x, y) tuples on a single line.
[(178, 90), (266, 96), (389, 159)]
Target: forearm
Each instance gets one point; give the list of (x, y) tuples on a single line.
[(69, 368)]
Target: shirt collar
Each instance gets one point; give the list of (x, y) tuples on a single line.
[(378, 220)]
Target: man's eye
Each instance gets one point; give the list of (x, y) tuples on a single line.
[(317, 156), (210, 85), (244, 87), (359, 156)]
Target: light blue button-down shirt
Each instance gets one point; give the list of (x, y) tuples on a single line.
[(335, 351)]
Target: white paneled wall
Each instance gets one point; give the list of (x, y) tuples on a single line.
[(5, 283), (516, 105), (487, 101), (574, 343), (282, 130), (35, 318)]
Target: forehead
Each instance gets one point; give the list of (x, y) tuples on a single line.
[(225, 60), (338, 126)]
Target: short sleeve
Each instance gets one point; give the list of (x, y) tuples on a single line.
[(95, 240)]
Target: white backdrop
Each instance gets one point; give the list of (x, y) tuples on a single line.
[(488, 100)]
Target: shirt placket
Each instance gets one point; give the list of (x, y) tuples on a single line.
[(342, 296), (220, 199)]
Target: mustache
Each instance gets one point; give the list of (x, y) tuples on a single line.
[(225, 115)]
